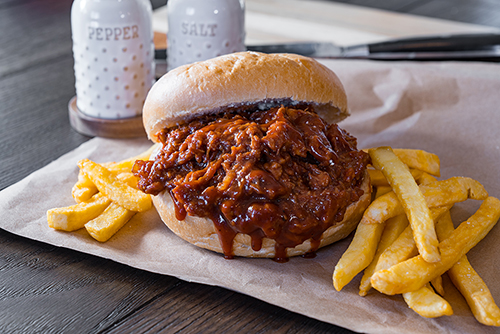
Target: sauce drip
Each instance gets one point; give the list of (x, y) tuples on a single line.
[(282, 174)]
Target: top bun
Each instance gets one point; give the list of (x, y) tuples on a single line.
[(243, 79)]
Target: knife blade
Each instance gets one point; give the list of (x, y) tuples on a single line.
[(483, 47)]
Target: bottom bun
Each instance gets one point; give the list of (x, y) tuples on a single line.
[(201, 231)]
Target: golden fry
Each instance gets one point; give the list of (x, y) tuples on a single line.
[(382, 190), (109, 222), (383, 208), (377, 178), (116, 190), (401, 249), (427, 303), (425, 178), (72, 218), (436, 194), (127, 164), (414, 273), (83, 189), (452, 190), (469, 283), (421, 160), (437, 284), (359, 254), (438, 213), (393, 228), (412, 200), (128, 178), (475, 292)]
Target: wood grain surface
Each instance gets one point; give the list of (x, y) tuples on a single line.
[(46, 289)]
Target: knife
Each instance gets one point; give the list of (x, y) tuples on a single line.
[(481, 47)]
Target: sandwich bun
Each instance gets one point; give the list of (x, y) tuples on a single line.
[(243, 79)]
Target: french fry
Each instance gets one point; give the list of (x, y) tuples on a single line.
[(403, 247), (72, 218), (453, 190), (358, 255), (475, 292), (393, 228), (383, 208), (437, 284), (427, 303), (127, 164), (418, 159), (128, 178), (412, 200), (439, 193), (83, 189), (444, 226), (377, 178), (421, 160), (414, 273), (422, 179), (109, 222), (116, 190), (469, 283), (425, 178), (382, 190)]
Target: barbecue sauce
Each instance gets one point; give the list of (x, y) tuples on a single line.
[(282, 174)]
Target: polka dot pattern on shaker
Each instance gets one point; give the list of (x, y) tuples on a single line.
[(114, 79)]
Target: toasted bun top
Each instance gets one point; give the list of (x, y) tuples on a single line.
[(243, 79)]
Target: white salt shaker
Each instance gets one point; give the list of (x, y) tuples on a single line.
[(114, 56), (203, 29)]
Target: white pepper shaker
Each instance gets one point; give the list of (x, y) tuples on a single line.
[(114, 56), (203, 29)]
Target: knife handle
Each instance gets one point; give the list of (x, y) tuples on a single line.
[(444, 43)]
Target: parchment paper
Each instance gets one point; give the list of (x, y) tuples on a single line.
[(450, 109)]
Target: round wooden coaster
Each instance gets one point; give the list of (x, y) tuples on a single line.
[(110, 128)]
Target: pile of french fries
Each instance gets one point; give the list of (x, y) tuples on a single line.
[(406, 239), (107, 198)]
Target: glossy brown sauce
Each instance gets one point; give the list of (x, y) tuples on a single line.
[(282, 174)]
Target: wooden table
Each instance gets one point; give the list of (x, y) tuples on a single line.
[(52, 290)]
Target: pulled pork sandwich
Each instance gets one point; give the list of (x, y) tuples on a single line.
[(252, 162)]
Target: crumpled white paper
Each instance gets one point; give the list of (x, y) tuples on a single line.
[(450, 109)]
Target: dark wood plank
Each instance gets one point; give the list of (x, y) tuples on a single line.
[(207, 309), (38, 32), (46, 289), (34, 119), (36, 83)]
